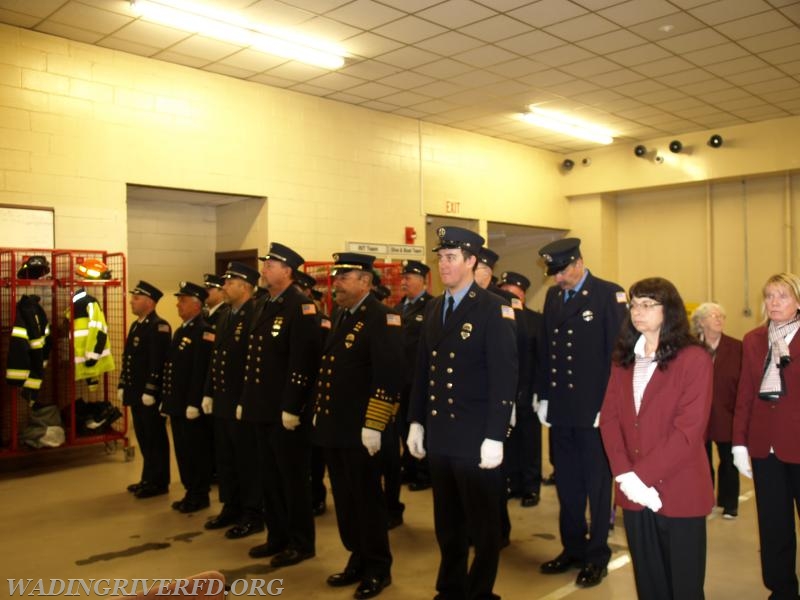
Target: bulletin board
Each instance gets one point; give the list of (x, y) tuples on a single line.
[(27, 227)]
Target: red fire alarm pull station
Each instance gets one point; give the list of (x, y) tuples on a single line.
[(411, 235)]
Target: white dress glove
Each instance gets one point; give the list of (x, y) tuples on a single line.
[(741, 460), (371, 440), (207, 405), (290, 421), (148, 400), (192, 412), (535, 402), (238, 412), (415, 442), (120, 394), (513, 420), (491, 454), (596, 423), (636, 491), (541, 412)]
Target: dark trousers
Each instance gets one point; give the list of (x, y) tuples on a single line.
[(390, 469), (668, 553), (728, 476), (193, 454), (467, 506), (360, 509), (583, 475), (777, 486), (318, 491), (237, 469), (522, 460), (284, 459), (151, 432)]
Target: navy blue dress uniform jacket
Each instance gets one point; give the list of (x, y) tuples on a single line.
[(186, 367), (413, 320), (218, 315), (529, 326), (225, 378), (146, 349), (282, 358), (466, 374), (359, 376), (575, 350)]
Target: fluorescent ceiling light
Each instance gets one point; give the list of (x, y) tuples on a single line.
[(235, 29), (567, 125)]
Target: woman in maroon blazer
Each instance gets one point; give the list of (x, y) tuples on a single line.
[(765, 428), (708, 320), (653, 422)]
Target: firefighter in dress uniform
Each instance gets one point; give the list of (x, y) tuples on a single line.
[(358, 383), (215, 307), (146, 348), (182, 395), (582, 319), (282, 361), (464, 388)]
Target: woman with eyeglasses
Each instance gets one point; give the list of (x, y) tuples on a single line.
[(765, 429), (653, 422), (708, 321)]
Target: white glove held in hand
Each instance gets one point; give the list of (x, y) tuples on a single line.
[(636, 491), (238, 412), (148, 400), (491, 454), (541, 412), (416, 440), (513, 420), (741, 460), (371, 440), (207, 405), (192, 412), (596, 423), (290, 421)]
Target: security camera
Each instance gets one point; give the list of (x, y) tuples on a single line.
[(659, 159), (640, 151), (586, 162), (567, 164), (675, 146)]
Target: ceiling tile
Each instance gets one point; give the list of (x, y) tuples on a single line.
[(597, 97), (518, 67), (408, 57), (11, 17), (774, 85), (694, 40), (684, 77), (251, 60), (714, 55), (681, 104), (456, 13), (327, 29), (761, 113), (782, 55), (372, 90), (150, 34), (547, 12), (297, 71), (410, 30), (637, 11), (40, 8), (581, 28), (722, 11), (82, 16), (667, 27), (380, 105), (590, 67), (658, 98), (701, 88), (612, 41), (204, 48), (369, 69), (547, 78), (782, 95), (443, 68), (495, 28), (316, 6), (273, 12), (336, 81), (410, 112), (484, 56), (701, 110), (434, 106), (639, 55), (370, 45), (615, 78), (739, 103), (504, 5), (345, 97), (739, 65), (562, 55), (572, 88), (410, 6), (469, 97), (679, 126), (449, 43), (273, 81), (754, 76), (72, 33), (665, 66), (637, 88), (406, 80), (530, 43), (508, 88), (405, 98), (755, 25), (126, 46), (229, 71), (792, 68), (597, 4), (475, 79), (439, 89), (307, 88), (770, 41)]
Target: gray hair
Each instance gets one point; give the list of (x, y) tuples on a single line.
[(701, 312)]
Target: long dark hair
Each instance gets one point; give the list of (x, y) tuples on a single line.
[(675, 333)]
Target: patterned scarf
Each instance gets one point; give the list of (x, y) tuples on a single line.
[(772, 384)]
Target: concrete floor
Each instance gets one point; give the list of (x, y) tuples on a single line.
[(66, 514)]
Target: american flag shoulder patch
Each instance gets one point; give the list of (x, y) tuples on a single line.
[(209, 336), (309, 309), (621, 297), (393, 320), (507, 312), (325, 323)]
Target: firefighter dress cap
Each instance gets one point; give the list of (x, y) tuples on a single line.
[(146, 289), (458, 237), (92, 268), (34, 267), (382, 292), (284, 254), (376, 278), (240, 270), (351, 261), (488, 257), (304, 280), (414, 267), (187, 288), (213, 281), (517, 279), (559, 254)]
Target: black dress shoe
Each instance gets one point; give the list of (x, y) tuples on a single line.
[(134, 487), (347, 577), (590, 575), (395, 520), (371, 587), (549, 480), (529, 500), (193, 505), (149, 491), (560, 564), (178, 503), (290, 557), (243, 530), (223, 519), (319, 508), (418, 486), (266, 549)]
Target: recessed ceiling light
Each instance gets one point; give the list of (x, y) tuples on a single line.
[(666, 28)]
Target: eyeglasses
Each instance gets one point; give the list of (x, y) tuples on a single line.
[(646, 306)]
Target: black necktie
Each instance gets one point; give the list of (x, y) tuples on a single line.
[(570, 295), (406, 306), (343, 318), (450, 303)]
